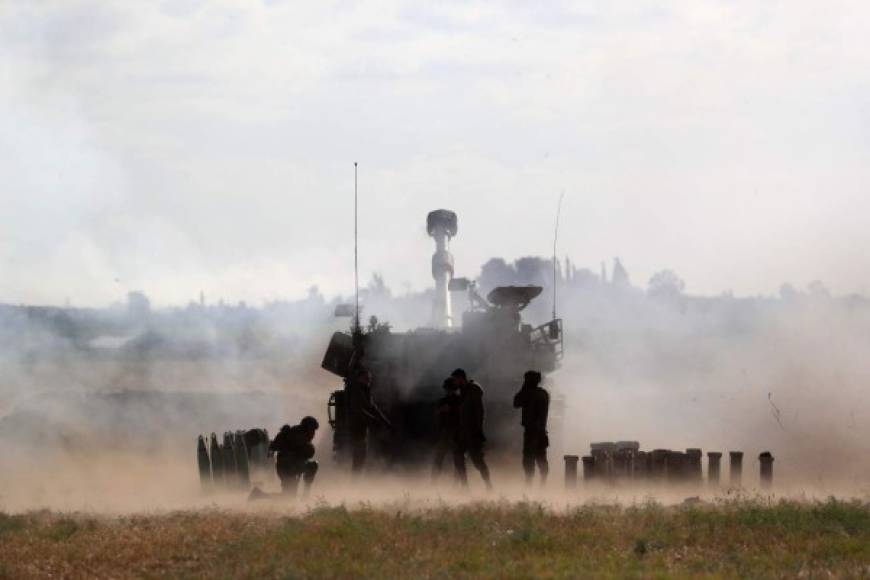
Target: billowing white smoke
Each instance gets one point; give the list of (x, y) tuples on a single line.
[(672, 371)]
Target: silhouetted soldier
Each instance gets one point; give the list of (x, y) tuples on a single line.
[(535, 403), (448, 422), (469, 434), (362, 413), (295, 452)]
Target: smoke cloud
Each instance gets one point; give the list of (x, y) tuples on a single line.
[(103, 406)]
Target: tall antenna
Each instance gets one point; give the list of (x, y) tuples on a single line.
[(555, 240), (355, 252)]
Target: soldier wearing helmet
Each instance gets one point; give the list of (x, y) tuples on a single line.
[(363, 413), (470, 439), (448, 423), (535, 403), (295, 455)]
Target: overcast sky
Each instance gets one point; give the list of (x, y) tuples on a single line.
[(185, 145)]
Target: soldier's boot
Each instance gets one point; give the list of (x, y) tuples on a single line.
[(438, 462), (528, 467), (289, 484), (480, 463), (544, 468), (308, 477), (459, 468)]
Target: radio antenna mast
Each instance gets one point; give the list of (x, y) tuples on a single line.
[(355, 252), (555, 240)]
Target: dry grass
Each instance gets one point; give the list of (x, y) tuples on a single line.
[(788, 539)]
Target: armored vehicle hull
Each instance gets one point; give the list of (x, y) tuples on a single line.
[(493, 345)]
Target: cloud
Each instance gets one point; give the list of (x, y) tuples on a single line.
[(724, 140)]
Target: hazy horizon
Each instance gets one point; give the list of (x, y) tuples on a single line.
[(185, 146)]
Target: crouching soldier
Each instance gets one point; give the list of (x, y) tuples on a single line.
[(535, 403), (295, 452)]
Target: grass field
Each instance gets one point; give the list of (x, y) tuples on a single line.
[(491, 539)]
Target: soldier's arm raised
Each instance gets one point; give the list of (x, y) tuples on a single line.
[(520, 398)]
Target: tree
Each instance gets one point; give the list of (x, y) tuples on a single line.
[(584, 278), (787, 292), (534, 270), (496, 272), (818, 290), (665, 284), (619, 278), (377, 288)]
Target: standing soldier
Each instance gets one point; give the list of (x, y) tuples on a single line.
[(295, 452), (469, 434), (362, 412), (448, 422), (535, 403)]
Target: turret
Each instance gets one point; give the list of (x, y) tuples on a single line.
[(442, 225)]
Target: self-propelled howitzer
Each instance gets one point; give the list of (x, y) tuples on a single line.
[(493, 344)]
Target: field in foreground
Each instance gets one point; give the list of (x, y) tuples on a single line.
[(488, 539)]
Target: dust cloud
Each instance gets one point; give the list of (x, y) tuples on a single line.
[(787, 375), (100, 409)]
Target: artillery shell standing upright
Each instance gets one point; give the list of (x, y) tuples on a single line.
[(588, 467), (263, 458), (766, 459), (217, 461), (641, 467), (714, 459), (257, 444), (736, 468), (676, 466), (571, 471), (203, 463), (658, 464), (694, 471), (229, 460), (240, 453)]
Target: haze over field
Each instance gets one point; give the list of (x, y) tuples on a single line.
[(175, 147), (659, 366), (195, 158)]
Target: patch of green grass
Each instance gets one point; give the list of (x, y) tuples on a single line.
[(62, 529), (10, 523), (494, 539)]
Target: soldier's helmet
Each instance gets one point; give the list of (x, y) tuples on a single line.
[(309, 423), (532, 377)]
